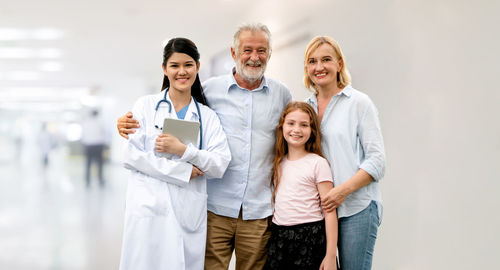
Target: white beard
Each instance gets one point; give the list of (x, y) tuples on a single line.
[(250, 76)]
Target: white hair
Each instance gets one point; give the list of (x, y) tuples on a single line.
[(252, 27)]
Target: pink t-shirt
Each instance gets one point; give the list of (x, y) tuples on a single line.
[(297, 198)]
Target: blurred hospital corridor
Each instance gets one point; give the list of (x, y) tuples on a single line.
[(50, 219)]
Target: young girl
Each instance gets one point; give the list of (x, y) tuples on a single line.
[(301, 177), (166, 207)]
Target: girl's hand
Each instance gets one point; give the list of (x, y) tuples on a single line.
[(329, 263), (334, 198), (195, 172), (166, 143)]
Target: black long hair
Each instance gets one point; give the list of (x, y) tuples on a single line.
[(184, 45)]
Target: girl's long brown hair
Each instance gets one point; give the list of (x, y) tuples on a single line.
[(313, 145)]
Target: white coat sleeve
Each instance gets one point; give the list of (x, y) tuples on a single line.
[(137, 158), (215, 156)]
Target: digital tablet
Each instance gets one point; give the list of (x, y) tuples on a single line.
[(186, 131)]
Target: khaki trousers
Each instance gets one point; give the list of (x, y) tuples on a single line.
[(248, 238)]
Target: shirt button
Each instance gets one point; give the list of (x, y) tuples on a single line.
[(245, 208)]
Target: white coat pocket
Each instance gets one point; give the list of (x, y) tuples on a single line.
[(189, 207), (145, 197)]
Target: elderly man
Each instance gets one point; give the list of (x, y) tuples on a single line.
[(249, 106)]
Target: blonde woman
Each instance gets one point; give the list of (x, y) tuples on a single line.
[(352, 143)]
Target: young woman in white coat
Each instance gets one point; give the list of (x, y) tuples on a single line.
[(166, 205)]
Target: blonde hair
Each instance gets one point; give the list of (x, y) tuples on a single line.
[(313, 145), (343, 77)]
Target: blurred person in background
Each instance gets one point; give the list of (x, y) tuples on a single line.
[(94, 142), (352, 143), (249, 105), (47, 142), (18, 143)]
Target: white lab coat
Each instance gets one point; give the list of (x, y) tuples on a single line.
[(165, 216)]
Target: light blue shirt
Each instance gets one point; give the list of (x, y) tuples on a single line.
[(249, 119), (352, 140), (182, 113)]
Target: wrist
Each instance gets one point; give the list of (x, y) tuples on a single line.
[(347, 188), (331, 254), (181, 150)]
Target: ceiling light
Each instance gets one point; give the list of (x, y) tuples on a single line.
[(47, 34), (50, 53), (17, 53), (33, 34), (22, 76), (12, 34), (12, 53), (51, 66)]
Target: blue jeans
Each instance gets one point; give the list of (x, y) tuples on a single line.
[(356, 240)]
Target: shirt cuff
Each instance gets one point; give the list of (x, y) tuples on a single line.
[(189, 154), (371, 170)]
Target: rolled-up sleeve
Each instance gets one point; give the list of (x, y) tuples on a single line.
[(372, 142)]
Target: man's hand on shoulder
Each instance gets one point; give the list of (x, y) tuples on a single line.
[(126, 125)]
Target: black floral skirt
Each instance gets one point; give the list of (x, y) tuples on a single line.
[(300, 246)]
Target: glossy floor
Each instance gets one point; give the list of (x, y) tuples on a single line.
[(49, 219)]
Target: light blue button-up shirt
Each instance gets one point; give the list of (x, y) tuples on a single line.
[(249, 119), (352, 140)]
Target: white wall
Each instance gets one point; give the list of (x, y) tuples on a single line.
[(431, 68)]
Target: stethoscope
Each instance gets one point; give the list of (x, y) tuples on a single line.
[(170, 111)]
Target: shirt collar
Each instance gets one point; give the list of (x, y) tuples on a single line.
[(191, 108), (347, 91), (312, 100), (233, 84)]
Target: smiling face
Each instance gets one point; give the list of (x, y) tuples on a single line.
[(181, 70), (297, 129), (251, 55), (323, 66)]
